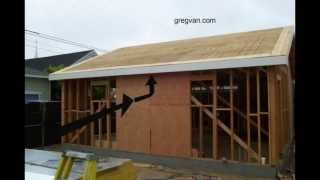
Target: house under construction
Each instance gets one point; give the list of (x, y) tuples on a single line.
[(226, 96)]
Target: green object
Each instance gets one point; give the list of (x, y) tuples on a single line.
[(52, 69)]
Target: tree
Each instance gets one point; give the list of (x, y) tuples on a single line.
[(52, 69), (55, 85)]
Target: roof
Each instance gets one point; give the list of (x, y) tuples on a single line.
[(39, 66), (31, 72), (244, 49)]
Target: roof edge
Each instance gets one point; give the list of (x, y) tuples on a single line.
[(166, 68), (76, 64), (57, 55), (36, 76), (86, 57), (284, 41)]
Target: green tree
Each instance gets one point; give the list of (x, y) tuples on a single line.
[(55, 85), (52, 69)]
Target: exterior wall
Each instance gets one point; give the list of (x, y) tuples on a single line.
[(38, 85), (160, 124)]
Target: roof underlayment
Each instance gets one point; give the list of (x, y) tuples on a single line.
[(245, 49)]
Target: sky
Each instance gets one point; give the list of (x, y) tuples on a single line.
[(112, 24)]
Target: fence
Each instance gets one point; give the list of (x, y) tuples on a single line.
[(42, 123)]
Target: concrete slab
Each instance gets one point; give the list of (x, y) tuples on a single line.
[(194, 165)]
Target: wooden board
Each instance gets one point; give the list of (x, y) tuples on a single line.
[(70, 103), (258, 115), (166, 114), (259, 43), (273, 114), (77, 91), (215, 123), (248, 110), (231, 115)]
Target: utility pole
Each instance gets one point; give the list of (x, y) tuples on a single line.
[(36, 49)]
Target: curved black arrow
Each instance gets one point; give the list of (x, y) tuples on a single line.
[(126, 102), (124, 106), (151, 82)]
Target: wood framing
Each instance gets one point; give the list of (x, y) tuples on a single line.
[(77, 106), (258, 114), (214, 119), (146, 134), (210, 100), (70, 103), (85, 101), (92, 141), (231, 114), (248, 110), (201, 129), (108, 117)]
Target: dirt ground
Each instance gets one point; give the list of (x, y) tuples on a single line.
[(150, 172)]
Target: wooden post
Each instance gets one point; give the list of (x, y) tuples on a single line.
[(69, 118), (214, 124), (201, 131), (258, 114), (108, 117), (231, 113), (272, 114), (92, 141), (85, 101), (248, 111), (269, 116), (63, 87), (77, 106), (281, 120), (100, 125)]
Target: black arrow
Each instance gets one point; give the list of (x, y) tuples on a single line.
[(151, 82), (126, 102), (124, 106)]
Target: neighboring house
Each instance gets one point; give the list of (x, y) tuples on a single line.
[(220, 97), (37, 84)]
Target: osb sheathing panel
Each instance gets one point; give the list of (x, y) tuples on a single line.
[(270, 42), (159, 124)]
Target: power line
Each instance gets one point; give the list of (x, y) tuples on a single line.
[(32, 46), (46, 44), (54, 38), (43, 49)]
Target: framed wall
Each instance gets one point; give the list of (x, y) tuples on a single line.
[(242, 114), (249, 112)]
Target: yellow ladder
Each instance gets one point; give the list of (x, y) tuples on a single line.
[(66, 162)]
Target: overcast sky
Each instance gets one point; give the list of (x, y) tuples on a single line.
[(111, 24)]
